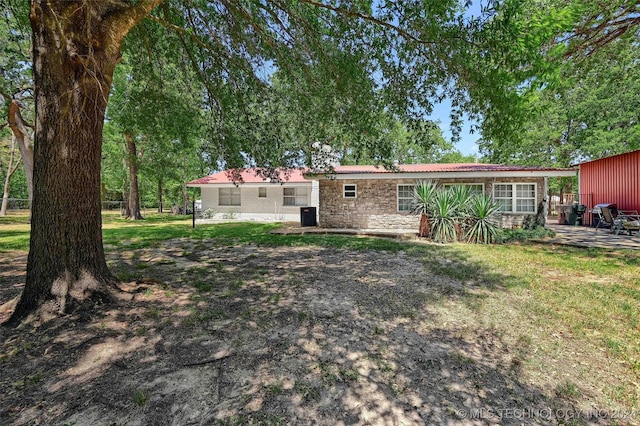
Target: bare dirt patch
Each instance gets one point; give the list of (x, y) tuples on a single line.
[(254, 335)]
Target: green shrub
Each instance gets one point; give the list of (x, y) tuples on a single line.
[(513, 235), (209, 213)]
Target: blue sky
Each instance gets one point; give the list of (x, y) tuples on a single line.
[(467, 144)]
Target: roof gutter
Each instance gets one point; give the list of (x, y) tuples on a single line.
[(442, 175)]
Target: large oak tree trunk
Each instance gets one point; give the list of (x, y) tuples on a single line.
[(76, 46), (134, 193)]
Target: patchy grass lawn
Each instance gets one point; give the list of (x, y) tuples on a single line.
[(228, 324)]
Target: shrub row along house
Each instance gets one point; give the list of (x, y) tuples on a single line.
[(371, 197)]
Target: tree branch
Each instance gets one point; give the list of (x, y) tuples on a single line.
[(369, 18), (603, 27), (121, 21), (7, 96)]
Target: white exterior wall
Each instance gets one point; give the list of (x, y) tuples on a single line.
[(252, 207)]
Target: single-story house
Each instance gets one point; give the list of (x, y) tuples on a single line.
[(371, 197), (611, 180), (247, 195)]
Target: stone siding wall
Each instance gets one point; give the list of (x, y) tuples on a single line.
[(374, 207), (376, 203)]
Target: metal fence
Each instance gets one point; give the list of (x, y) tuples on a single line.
[(17, 204), (119, 205), (23, 204), (556, 203), (113, 205)]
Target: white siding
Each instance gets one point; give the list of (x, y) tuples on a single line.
[(261, 208)]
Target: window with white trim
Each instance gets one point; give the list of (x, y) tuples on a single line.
[(406, 199), (229, 196), (515, 197), (349, 190), (262, 192), (296, 196), (475, 188)]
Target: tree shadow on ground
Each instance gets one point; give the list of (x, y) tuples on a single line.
[(278, 335)]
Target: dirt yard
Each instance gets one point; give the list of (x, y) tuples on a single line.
[(252, 335)]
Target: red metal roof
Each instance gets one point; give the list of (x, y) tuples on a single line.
[(250, 176), (297, 175), (445, 167), (611, 157)]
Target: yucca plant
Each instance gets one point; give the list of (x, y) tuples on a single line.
[(423, 194), (461, 195), (482, 211), (444, 216)]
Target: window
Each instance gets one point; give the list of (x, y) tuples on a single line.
[(526, 198), (406, 200), (349, 190), (476, 188), (295, 196), (262, 192), (228, 196), (503, 194), (515, 197)]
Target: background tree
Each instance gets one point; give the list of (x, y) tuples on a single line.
[(588, 106), (114, 174), (427, 145), (593, 112), (11, 166), (15, 183), (16, 84), (156, 102), (600, 23)]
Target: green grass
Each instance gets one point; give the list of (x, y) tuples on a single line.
[(119, 233), (15, 217), (12, 239), (590, 297), (139, 398)]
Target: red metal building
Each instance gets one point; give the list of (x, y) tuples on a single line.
[(614, 180)]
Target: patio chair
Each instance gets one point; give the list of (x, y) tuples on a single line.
[(620, 220), (632, 225), (599, 218), (608, 220), (630, 220)]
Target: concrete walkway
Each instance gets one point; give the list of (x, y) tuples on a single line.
[(576, 236), (586, 236), (294, 229)]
